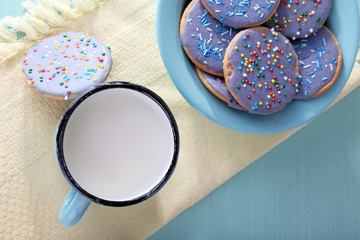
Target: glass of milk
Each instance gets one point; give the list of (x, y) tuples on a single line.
[(117, 144)]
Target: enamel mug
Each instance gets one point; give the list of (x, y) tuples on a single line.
[(117, 144)]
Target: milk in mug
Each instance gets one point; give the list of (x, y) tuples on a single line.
[(118, 144)]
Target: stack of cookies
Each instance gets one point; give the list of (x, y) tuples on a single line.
[(259, 55)]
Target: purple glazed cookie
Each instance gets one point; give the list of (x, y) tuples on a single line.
[(241, 13), (204, 38), (320, 62), (63, 66), (300, 18), (217, 86), (261, 70)]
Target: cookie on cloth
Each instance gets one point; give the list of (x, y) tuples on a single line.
[(300, 18), (261, 70), (320, 62), (63, 66), (241, 13), (204, 38), (217, 86)]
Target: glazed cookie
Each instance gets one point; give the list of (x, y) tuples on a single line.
[(204, 38), (261, 70), (241, 13), (217, 86), (63, 66), (300, 18), (320, 62)]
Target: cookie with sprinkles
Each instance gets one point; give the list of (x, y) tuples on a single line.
[(261, 70), (217, 86), (204, 38), (320, 62), (241, 13), (300, 18), (63, 66)]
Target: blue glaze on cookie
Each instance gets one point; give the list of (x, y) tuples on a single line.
[(318, 61), (242, 13), (218, 85), (67, 64), (300, 18), (206, 38), (263, 63)]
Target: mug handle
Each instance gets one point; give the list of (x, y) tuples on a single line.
[(73, 208)]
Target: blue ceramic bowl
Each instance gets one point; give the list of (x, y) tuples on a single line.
[(343, 22)]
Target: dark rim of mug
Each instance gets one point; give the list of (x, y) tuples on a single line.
[(60, 137)]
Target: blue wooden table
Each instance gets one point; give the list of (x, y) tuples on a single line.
[(306, 188)]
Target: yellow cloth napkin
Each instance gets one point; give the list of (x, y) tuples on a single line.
[(32, 185)]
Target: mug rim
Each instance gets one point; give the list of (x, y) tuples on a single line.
[(61, 132)]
